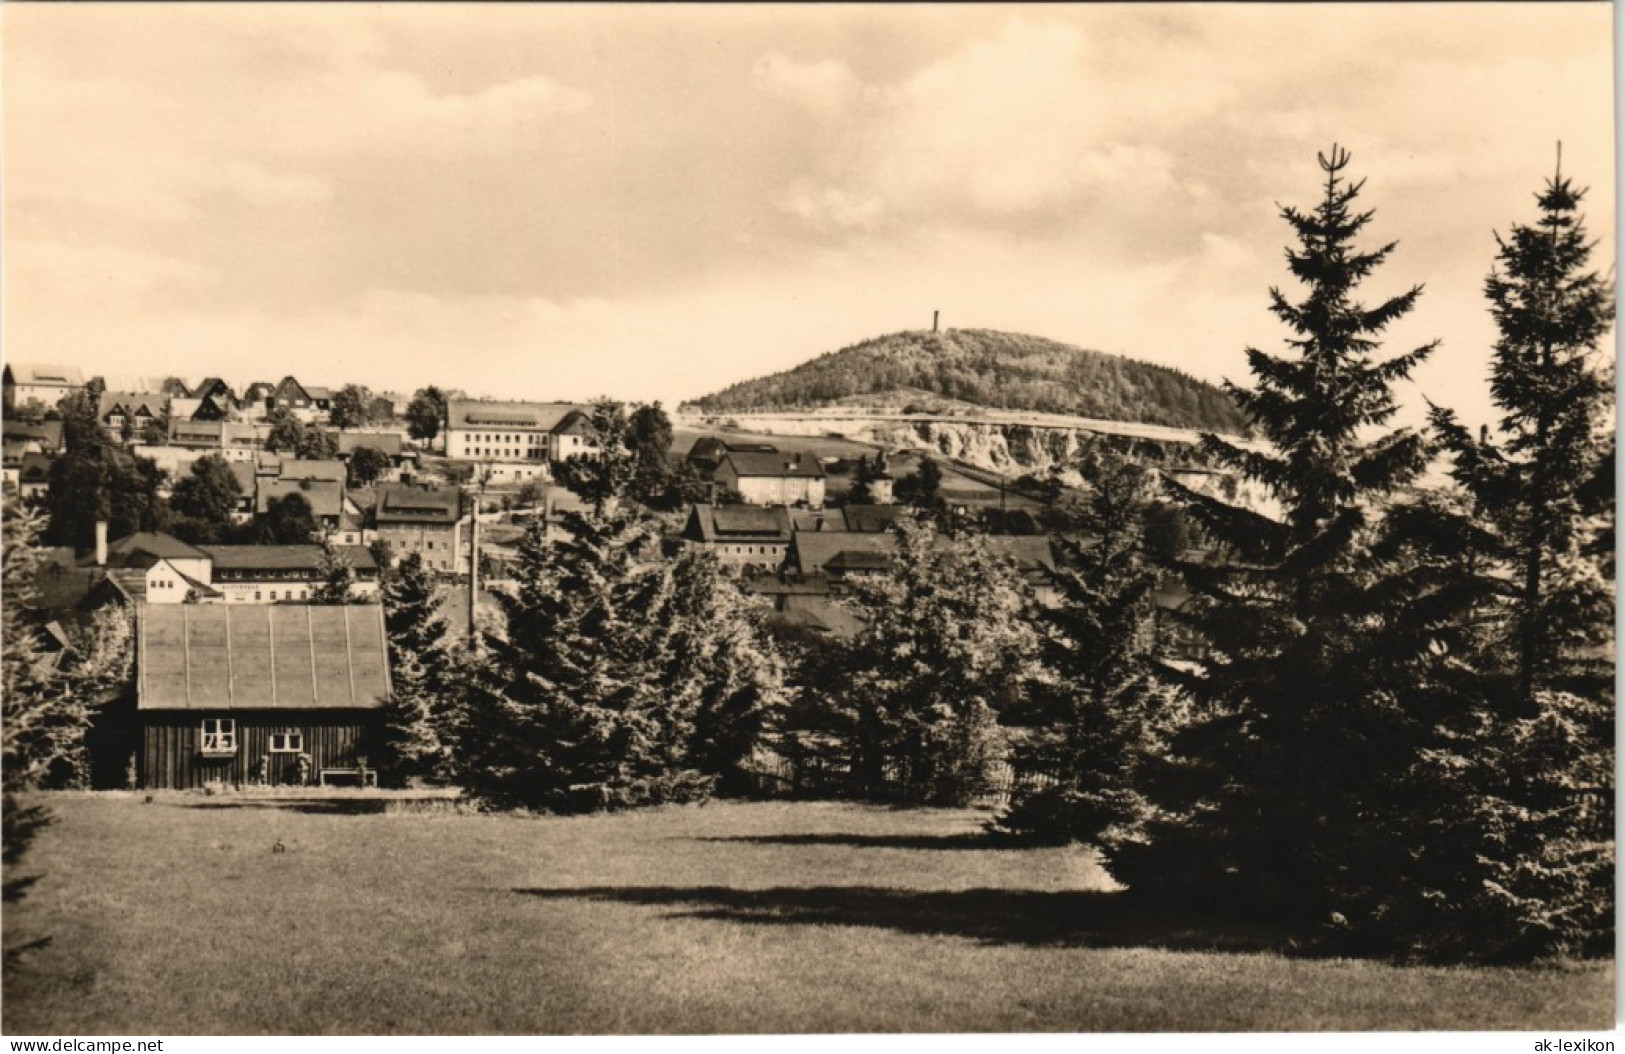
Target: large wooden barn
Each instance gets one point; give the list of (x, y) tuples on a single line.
[(258, 693)]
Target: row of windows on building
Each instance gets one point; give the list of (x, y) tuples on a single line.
[(486, 437), (756, 550), (220, 737), (534, 455)]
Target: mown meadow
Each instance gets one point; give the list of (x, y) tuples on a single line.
[(181, 916)]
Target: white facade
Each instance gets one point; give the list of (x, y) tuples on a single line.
[(781, 490), (275, 590), (498, 445), (166, 585)]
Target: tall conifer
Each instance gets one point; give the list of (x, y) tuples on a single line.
[(1533, 760), (1275, 794)]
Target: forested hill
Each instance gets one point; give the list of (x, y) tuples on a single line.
[(1008, 371)]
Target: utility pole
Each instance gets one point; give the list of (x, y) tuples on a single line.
[(934, 316), (482, 476)]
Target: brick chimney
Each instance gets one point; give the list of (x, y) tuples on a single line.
[(101, 543)]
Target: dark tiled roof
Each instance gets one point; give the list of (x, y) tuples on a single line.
[(386, 442), (325, 498), (132, 402), (820, 614), (244, 471), (283, 557), (725, 523), (815, 551), (872, 517), (403, 504), (130, 550), (261, 656), (202, 433), (35, 468), (326, 470), (1031, 552), (751, 463), (47, 433)]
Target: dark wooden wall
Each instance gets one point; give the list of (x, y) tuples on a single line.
[(170, 758)]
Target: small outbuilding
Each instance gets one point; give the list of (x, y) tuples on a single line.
[(241, 694)]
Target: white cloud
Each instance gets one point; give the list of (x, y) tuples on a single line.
[(824, 88), (831, 205)]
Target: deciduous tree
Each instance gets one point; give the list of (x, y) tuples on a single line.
[(352, 407), (426, 413), (204, 501), (947, 644)]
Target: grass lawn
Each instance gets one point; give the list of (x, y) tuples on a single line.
[(176, 917)]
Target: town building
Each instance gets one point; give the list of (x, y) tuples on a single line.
[(391, 444), (150, 567), (33, 477), (272, 574), (337, 517), (256, 401), (268, 694), (44, 437), (772, 478), (38, 384), (205, 436), (743, 537), (840, 556), (516, 441), (127, 414), (708, 451), (422, 520), (288, 394)]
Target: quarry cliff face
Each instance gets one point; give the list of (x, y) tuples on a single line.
[(1011, 444), (1008, 448)]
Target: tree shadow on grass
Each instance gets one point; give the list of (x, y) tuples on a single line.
[(991, 916), (323, 807), (969, 840)]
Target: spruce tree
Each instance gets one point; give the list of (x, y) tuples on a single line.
[(1276, 792), (1096, 710), (1532, 480), (1528, 546), (415, 720), (577, 717)]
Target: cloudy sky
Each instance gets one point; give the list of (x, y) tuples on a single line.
[(649, 202)]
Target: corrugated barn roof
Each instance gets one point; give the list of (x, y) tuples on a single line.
[(264, 657)]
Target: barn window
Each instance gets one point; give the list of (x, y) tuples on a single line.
[(287, 742), (219, 735)]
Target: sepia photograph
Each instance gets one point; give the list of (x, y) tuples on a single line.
[(710, 520)]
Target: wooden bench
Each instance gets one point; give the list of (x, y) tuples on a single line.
[(362, 777)]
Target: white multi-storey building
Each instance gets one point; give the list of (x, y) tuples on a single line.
[(520, 440)]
